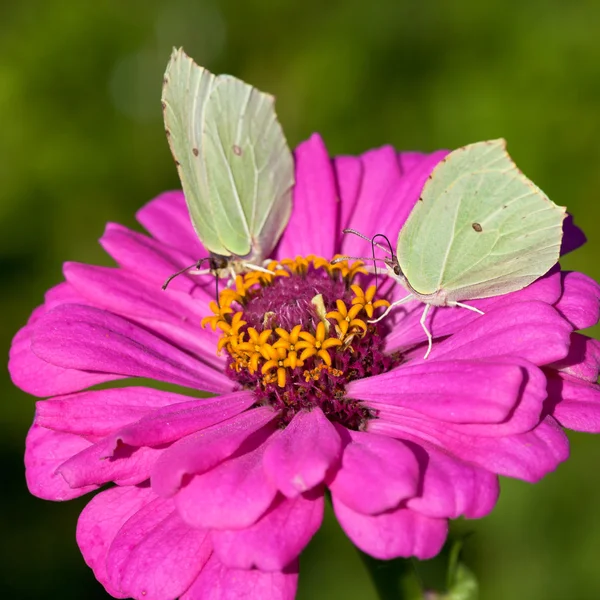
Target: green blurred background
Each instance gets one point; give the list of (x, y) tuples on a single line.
[(82, 143)]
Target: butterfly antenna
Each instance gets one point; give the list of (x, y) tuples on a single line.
[(389, 249), (374, 263), (368, 239), (197, 264), (358, 233), (373, 244)]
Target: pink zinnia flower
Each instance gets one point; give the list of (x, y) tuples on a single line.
[(217, 496)]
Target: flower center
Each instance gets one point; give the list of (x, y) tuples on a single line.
[(298, 332)]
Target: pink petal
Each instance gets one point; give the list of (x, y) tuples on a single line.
[(218, 582), (233, 495), (380, 176), (377, 472), (518, 411), (348, 174), (149, 259), (408, 160), (277, 539), (168, 220), (101, 412), (63, 293), (576, 403), (457, 391), (99, 523), (174, 422), (155, 555), (117, 457), (445, 320), (298, 457), (400, 532), (580, 302), (201, 451), (85, 338), (528, 456), (573, 237), (583, 360), (387, 195), (452, 487), (176, 317), (531, 330), (315, 195), (45, 451), (100, 463), (40, 378)]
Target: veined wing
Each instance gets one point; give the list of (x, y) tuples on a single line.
[(481, 229), (234, 164)]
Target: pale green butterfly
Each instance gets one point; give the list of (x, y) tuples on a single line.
[(234, 163), (479, 229)]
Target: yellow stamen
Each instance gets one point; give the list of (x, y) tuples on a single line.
[(346, 318), (236, 323), (257, 350), (219, 314), (317, 345), (365, 299)]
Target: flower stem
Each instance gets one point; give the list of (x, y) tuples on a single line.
[(393, 579)]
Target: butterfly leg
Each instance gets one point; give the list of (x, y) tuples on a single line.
[(466, 306), (390, 307), (427, 332), (253, 267)]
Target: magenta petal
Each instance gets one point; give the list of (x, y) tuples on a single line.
[(528, 456), (377, 472), (40, 378), (573, 237), (277, 539), (380, 175), (348, 173), (400, 532), (177, 318), (100, 413), (517, 410), (63, 293), (149, 259), (201, 451), (168, 220), (218, 582), (452, 487), (446, 320), (100, 522), (45, 451), (457, 391), (101, 463), (314, 196), (387, 195), (155, 555), (576, 403), (583, 360), (176, 421), (580, 302), (232, 495), (85, 338), (531, 330), (297, 458)]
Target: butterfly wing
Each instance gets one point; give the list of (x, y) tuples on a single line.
[(480, 229), (233, 160)]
